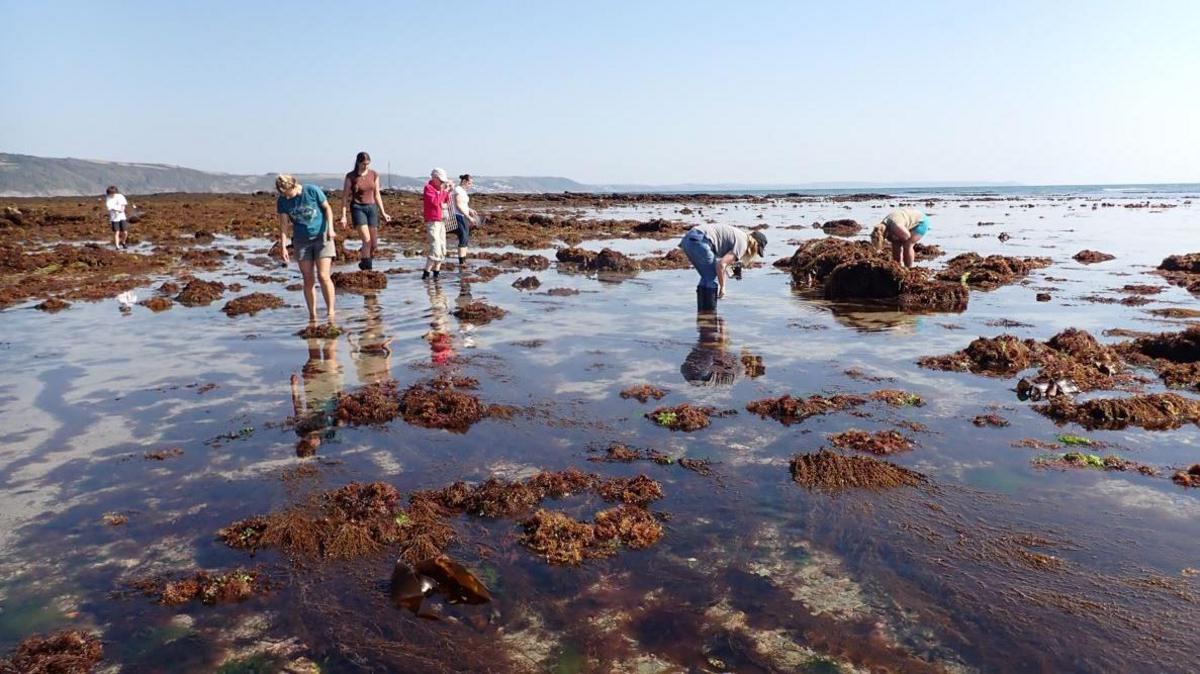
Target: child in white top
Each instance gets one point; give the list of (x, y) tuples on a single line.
[(115, 203)]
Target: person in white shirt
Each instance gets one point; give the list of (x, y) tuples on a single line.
[(115, 203), (464, 217)]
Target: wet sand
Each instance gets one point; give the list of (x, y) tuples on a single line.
[(130, 438)]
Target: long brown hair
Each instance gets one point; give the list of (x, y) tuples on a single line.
[(360, 158)]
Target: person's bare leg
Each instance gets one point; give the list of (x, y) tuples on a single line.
[(327, 287), (898, 252), (310, 290), (374, 241), (365, 251), (910, 252), (117, 238)]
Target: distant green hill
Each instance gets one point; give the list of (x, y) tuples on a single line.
[(28, 176)]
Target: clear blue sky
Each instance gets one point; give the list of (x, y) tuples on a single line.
[(604, 92)]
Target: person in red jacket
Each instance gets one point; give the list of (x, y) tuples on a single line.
[(436, 199)]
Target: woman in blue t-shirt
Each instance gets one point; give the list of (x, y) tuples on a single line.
[(306, 210)]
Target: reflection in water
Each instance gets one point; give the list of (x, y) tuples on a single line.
[(710, 363), (861, 316), (314, 396), (441, 344), (372, 351)]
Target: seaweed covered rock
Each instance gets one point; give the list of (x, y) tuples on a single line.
[(62, 652), (832, 473), (1182, 271), (527, 283), (639, 490), (52, 305), (1092, 257), (359, 281), (880, 442), (606, 260), (789, 410), (815, 259), (251, 304), (1072, 354), (911, 289), (841, 227), (199, 293), (479, 312), (685, 417), (320, 331), (516, 260), (643, 393), (157, 304), (1174, 355), (1157, 411), (993, 271), (1189, 477)]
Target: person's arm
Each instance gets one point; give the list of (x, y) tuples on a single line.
[(329, 219), (284, 221), (728, 259), (379, 200), (345, 201)]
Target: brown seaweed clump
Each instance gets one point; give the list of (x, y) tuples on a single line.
[(1093, 461), (52, 305), (210, 588), (753, 366), (251, 304), (163, 454), (62, 652), (832, 473), (639, 490), (479, 312), (1174, 355), (359, 281), (1002, 356), (320, 331), (1092, 257), (789, 410), (636, 528), (503, 498), (375, 403), (1189, 477), (200, 293), (437, 404), (643, 393), (685, 417), (993, 420), (881, 443), (1153, 412), (354, 520), (991, 272), (898, 398), (157, 304), (562, 540)]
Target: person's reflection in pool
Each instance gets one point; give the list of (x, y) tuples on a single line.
[(371, 349), (441, 344), (314, 396), (710, 363)]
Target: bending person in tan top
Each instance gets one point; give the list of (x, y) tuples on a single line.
[(903, 227)]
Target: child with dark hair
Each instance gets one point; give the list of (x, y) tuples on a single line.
[(115, 203)]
